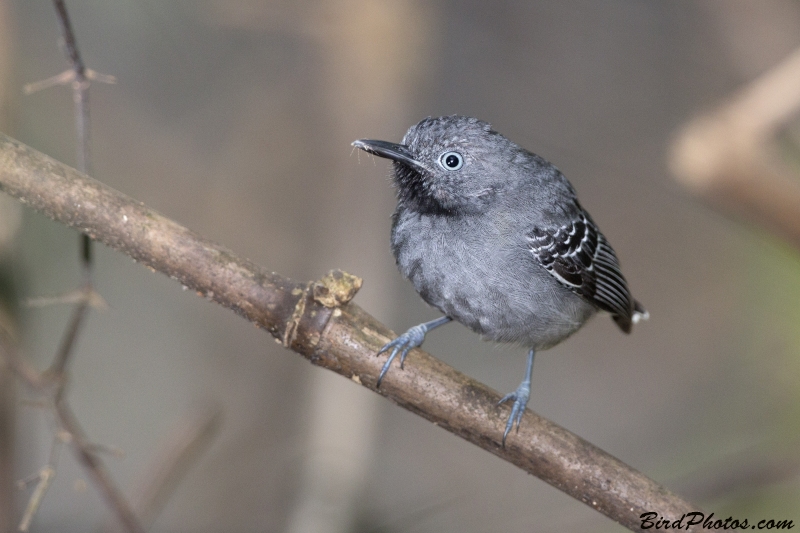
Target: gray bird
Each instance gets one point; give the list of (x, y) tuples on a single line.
[(493, 236)]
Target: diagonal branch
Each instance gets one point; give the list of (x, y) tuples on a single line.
[(59, 365), (730, 157), (171, 464), (96, 468), (340, 337)]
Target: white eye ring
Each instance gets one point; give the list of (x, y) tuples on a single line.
[(451, 161)]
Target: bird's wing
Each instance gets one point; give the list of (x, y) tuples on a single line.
[(579, 256)]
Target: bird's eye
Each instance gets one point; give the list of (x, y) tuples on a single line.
[(451, 161)]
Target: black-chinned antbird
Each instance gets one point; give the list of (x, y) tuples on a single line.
[(493, 236)]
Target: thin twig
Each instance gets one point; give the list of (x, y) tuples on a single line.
[(45, 477), (80, 95), (58, 367), (70, 432), (78, 76), (82, 449), (66, 77), (80, 86), (168, 468), (342, 338), (73, 297)]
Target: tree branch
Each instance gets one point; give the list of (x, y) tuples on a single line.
[(84, 451), (728, 157), (171, 464), (54, 381), (80, 94), (315, 320)]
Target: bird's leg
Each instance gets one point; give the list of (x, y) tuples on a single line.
[(410, 339), (520, 397)]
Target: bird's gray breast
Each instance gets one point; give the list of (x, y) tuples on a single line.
[(477, 270)]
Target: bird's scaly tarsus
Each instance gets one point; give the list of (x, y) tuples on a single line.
[(520, 397)]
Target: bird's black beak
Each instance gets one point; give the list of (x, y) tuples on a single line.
[(395, 152)]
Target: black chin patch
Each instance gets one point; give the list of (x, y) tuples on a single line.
[(415, 193)]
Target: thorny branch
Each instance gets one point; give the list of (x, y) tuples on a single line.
[(96, 468), (52, 384), (44, 477), (79, 76), (316, 320), (80, 94), (80, 86), (53, 381)]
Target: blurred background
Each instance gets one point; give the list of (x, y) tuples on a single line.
[(235, 117)]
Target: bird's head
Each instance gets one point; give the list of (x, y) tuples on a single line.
[(448, 165)]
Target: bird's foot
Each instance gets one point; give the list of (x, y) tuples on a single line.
[(410, 339), (520, 397)]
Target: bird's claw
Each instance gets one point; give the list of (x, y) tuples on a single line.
[(403, 344), (520, 397)]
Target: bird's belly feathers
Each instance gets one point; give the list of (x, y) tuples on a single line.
[(487, 281)]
